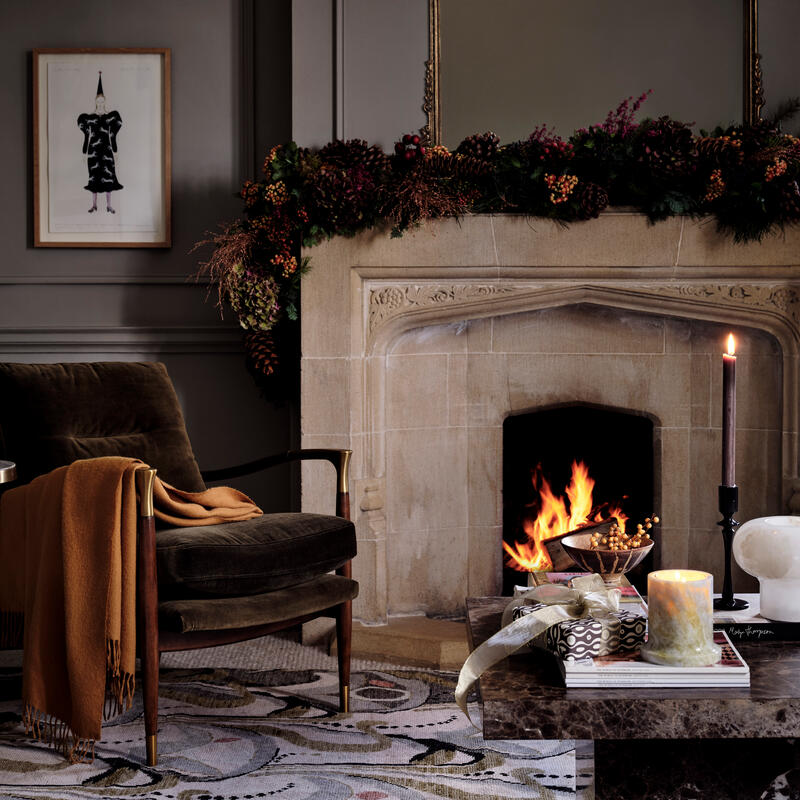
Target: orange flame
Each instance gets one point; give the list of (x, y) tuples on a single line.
[(554, 520), (731, 345)]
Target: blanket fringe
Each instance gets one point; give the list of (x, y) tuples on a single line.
[(57, 734), (120, 685), (12, 626)]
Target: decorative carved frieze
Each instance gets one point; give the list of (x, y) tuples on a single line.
[(782, 300), (391, 301)]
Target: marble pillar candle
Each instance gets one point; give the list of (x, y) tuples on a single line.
[(680, 628)]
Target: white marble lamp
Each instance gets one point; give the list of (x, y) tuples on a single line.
[(769, 549)]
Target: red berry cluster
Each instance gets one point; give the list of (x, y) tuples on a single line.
[(410, 148), (278, 227), (558, 149)]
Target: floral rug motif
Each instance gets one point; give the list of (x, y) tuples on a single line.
[(236, 734)]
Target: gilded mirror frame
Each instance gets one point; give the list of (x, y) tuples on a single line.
[(753, 94)]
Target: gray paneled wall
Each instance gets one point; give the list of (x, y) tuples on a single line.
[(141, 304), (358, 69)]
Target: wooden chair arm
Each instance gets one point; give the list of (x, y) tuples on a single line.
[(339, 458)]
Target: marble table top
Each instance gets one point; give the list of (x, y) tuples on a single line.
[(523, 697)]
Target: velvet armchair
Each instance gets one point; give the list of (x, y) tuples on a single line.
[(201, 586)]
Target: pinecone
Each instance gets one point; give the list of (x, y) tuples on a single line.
[(592, 199), (467, 168), (665, 147), (342, 198), (479, 145), (355, 152), (723, 151), (261, 351)]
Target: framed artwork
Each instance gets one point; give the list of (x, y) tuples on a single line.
[(101, 149)]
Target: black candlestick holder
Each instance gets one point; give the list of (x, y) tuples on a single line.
[(728, 506)]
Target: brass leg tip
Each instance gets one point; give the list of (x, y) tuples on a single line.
[(152, 750), (345, 699)]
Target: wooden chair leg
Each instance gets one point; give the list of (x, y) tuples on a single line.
[(150, 664), (147, 612), (344, 631)]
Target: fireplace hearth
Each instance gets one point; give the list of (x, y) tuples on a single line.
[(415, 352)]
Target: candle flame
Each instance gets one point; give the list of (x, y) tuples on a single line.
[(731, 345)]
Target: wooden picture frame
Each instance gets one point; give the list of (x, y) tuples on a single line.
[(102, 147)]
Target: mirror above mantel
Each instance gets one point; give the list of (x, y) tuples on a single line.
[(512, 65)]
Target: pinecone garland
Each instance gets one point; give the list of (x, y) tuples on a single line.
[(261, 352), (592, 199), (479, 145)]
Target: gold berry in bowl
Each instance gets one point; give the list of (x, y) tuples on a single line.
[(608, 550)]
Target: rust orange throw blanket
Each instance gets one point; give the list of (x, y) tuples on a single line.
[(68, 578)]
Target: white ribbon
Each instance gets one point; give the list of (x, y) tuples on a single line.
[(588, 597)]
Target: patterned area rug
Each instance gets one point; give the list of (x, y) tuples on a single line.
[(232, 733)]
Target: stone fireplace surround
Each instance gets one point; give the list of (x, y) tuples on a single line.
[(415, 350)]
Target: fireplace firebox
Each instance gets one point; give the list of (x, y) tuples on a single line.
[(568, 463)]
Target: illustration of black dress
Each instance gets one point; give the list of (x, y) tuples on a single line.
[(100, 144)]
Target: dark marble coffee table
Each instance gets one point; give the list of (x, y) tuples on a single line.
[(734, 741)]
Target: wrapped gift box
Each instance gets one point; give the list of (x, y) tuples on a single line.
[(588, 637)]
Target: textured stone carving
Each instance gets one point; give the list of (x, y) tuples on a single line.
[(783, 300), (393, 300)]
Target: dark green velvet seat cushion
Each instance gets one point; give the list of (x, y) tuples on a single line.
[(269, 552), (224, 613), (54, 414)]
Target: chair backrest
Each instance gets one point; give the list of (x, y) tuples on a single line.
[(54, 414)]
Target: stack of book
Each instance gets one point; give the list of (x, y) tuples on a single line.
[(630, 670), (621, 670)]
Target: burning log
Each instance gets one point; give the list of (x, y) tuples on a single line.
[(560, 559)]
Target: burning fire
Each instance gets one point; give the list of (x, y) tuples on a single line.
[(553, 518)]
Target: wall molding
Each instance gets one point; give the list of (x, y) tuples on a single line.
[(112, 339), (103, 280)]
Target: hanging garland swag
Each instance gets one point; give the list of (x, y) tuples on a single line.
[(746, 177)]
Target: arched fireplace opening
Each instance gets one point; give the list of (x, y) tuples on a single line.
[(553, 452)]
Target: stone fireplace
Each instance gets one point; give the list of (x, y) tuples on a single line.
[(415, 351)]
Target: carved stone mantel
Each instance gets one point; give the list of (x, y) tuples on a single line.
[(363, 294)]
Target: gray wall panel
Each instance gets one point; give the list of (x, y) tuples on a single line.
[(136, 304)]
